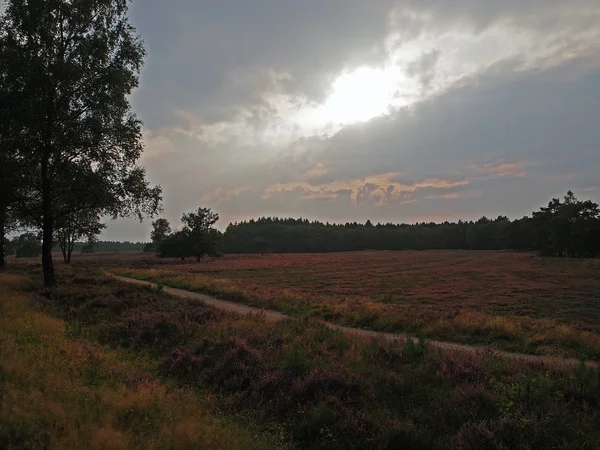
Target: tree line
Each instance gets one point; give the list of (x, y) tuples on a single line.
[(70, 144), (563, 228), (29, 245)]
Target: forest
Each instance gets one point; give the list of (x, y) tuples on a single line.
[(570, 227)]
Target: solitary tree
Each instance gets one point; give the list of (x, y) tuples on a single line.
[(72, 65), (82, 224)]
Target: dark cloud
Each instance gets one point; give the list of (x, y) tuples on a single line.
[(211, 57)]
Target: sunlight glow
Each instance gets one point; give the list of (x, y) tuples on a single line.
[(361, 95)]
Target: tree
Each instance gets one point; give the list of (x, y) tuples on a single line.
[(568, 228), (160, 230), (82, 224), (199, 222), (72, 64), (200, 234), (10, 166), (472, 236), (197, 238), (90, 246), (27, 245)]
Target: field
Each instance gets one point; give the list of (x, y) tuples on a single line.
[(514, 301), (121, 366), (124, 366)]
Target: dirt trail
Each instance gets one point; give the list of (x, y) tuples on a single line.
[(277, 316)]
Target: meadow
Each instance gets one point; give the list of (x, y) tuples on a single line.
[(508, 300), (132, 367)]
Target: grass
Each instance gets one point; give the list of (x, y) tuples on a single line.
[(514, 301), (61, 392), (296, 383)]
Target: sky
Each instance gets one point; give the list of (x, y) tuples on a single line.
[(348, 110)]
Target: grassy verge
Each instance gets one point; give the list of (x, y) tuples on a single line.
[(510, 333), (316, 388), (61, 392)]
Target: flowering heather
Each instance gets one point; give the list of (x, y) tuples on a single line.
[(309, 386), (516, 301)]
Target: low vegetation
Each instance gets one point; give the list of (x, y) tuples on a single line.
[(308, 386), (59, 390), (514, 301)]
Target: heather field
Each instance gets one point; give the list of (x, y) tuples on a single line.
[(126, 366), (514, 301)]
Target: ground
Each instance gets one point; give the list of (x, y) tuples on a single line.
[(515, 301)]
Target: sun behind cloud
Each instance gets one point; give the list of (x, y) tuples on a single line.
[(361, 95)]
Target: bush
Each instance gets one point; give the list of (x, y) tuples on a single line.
[(229, 366)]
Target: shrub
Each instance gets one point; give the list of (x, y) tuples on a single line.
[(462, 367), (229, 366), (141, 328), (295, 362)]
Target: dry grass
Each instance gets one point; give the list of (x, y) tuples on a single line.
[(516, 301), (61, 393)]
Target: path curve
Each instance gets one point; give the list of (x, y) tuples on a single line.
[(278, 316)]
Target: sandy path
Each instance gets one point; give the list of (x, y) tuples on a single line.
[(277, 316)]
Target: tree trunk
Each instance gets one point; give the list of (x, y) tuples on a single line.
[(197, 258), (63, 249), (70, 251), (47, 219), (47, 263), (2, 231)]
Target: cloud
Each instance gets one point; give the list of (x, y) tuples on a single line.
[(515, 169), (494, 107)]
